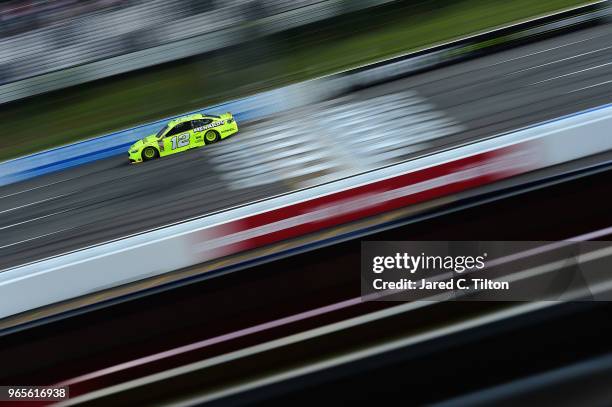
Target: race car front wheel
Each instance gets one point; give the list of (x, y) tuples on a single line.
[(149, 153), (211, 136)]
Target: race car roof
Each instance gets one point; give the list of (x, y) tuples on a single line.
[(195, 116)]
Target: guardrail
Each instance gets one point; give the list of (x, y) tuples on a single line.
[(255, 225), (292, 96), (477, 45)]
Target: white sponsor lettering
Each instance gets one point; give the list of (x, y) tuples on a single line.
[(209, 126)]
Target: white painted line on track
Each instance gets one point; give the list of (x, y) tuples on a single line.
[(591, 86), (541, 51), (572, 73), (33, 219), (560, 60), (32, 189), (32, 203), (35, 237)]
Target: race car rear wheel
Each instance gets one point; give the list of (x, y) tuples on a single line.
[(211, 137), (149, 153)]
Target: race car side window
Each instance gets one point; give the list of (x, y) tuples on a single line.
[(185, 126), (162, 131), (200, 123), (172, 132), (179, 128)]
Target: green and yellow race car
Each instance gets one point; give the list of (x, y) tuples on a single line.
[(182, 134)]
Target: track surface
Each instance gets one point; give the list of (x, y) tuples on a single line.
[(467, 101)]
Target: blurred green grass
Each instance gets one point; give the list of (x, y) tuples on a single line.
[(103, 106)]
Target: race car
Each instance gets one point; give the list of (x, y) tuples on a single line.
[(182, 134)]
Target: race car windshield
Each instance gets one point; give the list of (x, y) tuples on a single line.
[(162, 131)]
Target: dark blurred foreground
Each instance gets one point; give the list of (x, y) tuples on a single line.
[(449, 366)]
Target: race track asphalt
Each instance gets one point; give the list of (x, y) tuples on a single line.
[(467, 101)]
